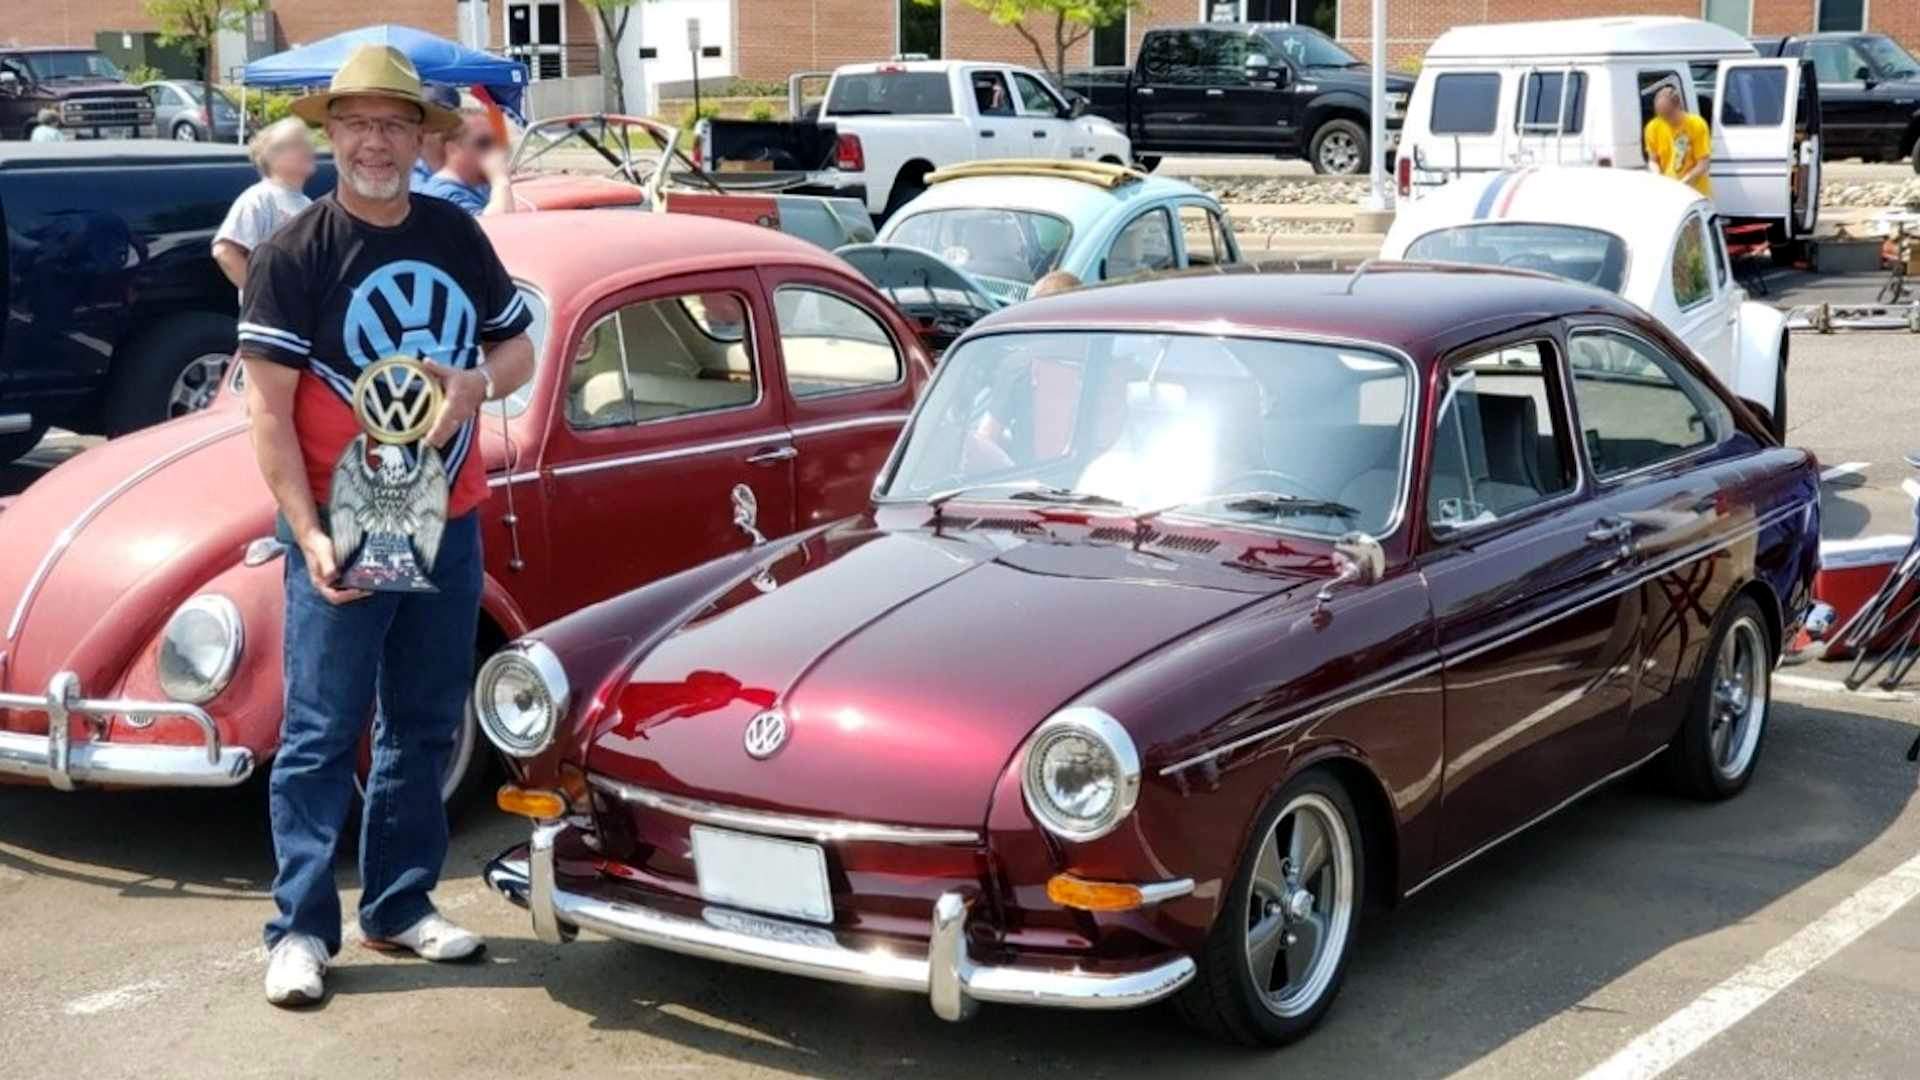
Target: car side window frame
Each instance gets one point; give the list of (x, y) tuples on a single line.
[(1586, 328), (750, 340), (1693, 220), (1556, 372), (901, 356), (1173, 242), (1056, 109), (974, 75)]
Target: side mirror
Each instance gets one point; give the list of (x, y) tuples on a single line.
[(1358, 559), (1864, 75), (1076, 106), (9, 82)]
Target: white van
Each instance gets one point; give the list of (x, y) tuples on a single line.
[(1580, 91)]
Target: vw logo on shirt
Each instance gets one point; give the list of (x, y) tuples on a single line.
[(410, 308)]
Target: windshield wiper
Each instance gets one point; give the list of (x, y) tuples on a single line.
[(1275, 504), (1024, 490), (1065, 497)]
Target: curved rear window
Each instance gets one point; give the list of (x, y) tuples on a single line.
[(1589, 256)]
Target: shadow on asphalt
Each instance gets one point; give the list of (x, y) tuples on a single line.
[(1539, 927)]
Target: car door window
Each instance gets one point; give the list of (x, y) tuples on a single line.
[(1756, 97), (1035, 99), (1465, 104), (1499, 443), (1223, 57), (660, 359), (990, 94), (1637, 405), (1205, 236), (832, 345), (1167, 55), (1692, 280), (1837, 61), (1146, 244)]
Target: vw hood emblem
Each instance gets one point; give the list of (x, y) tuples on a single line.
[(766, 733)]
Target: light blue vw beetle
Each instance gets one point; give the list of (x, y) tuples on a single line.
[(985, 232)]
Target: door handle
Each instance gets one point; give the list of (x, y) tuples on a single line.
[(773, 455), (1613, 532), (1039, 134), (1215, 92), (986, 134), (1145, 91)]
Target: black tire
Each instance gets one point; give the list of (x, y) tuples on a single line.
[(147, 368), (905, 190), (1339, 148), (1148, 162), (186, 131), (1224, 999), (1713, 755), (17, 445)]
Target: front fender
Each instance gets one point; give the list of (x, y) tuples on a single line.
[(1756, 374), (1331, 104)]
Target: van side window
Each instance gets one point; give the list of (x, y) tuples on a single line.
[(1465, 104), (1543, 105)]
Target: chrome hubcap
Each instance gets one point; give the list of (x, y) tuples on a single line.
[(1339, 153), (1300, 906), (194, 387), (1739, 704)]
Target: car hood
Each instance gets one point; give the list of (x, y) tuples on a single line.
[(66, 88), (112, 540), (910, 665), (912, 276)]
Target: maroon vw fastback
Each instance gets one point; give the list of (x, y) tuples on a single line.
[(1187, 616)]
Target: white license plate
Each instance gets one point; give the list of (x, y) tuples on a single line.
[(116, 133), (781, 877)]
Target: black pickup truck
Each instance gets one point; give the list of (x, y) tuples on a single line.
[(1869, 93), (1244, 88), (113, 315)]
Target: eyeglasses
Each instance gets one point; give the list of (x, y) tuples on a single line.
[(392, 127)]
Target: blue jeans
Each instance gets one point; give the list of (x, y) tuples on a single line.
[(412, 655)]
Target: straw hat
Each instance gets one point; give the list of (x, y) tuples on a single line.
[(376, 71)]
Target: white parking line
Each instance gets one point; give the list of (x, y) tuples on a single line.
[(1834, 686), (1844, 469), (1727, 1004)]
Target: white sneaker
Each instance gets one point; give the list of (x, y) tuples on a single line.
[(434, 938), (296, 971)]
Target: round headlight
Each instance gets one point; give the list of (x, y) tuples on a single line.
[(199, 649), (1081, 774), (520, 695)]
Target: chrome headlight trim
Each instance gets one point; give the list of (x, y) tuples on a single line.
[(1102, 728), (227, 614), (533, 658)]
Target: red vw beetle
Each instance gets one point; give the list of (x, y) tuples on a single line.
[(1186, 616), (702, 384)]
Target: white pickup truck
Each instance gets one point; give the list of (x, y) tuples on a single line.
[(899, 120)]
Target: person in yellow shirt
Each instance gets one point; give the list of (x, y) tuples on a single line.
[(1678, 142)]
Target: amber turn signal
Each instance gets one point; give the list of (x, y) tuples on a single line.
[(1069, 891), (533, 804)]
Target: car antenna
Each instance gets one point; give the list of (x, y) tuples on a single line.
[(1365, 265)]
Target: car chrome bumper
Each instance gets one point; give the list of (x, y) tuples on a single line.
[(63, 762), (950, 979)]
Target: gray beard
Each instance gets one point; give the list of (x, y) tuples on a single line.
[(370, 189)]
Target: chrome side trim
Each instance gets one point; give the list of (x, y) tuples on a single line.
[(1160, 892), (769, 438), (1511, 833), (847, 425), (503, 479), (72, 532), (15, 423), (819, 830), (1533, 623)]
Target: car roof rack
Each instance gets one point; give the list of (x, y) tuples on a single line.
[(1098, 173)]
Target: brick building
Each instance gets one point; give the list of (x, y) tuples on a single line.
[(769, 39)]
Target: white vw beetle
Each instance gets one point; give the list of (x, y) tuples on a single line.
[(1654, 241)]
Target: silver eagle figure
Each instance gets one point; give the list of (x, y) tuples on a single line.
[(386, 519)]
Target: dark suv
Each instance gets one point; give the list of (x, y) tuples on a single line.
[(1869, 92), (92, 98)]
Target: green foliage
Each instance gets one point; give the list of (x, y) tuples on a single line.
[(1065, 23), (760, 110), (195, 23), (141, 74), (263, 107)]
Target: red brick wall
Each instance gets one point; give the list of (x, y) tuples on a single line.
[(774, 38)]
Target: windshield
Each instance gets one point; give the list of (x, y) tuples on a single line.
[(516, 403), (1000, 247), (1304, 437), (1589, 256), (890, 93), (1889, 59), (71, 65), (1308, 49)]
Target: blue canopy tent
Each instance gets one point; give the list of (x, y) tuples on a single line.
[(437, 59)]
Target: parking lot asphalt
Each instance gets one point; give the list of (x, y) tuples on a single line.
[(1634, 935)]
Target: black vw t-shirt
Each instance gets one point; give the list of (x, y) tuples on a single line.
[(330, 294)]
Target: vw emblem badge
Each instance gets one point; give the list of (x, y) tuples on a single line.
[(766, 733)]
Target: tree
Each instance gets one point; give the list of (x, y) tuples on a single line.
[(612, 15), (195, 23), (1072, 22)]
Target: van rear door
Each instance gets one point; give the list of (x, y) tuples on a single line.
[(1766, 143)]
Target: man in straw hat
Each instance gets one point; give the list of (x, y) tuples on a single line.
[(366, 273)]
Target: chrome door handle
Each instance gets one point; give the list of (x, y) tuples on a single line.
[(1215, 92), (773, 455), (1612, 532), (1145, 91)]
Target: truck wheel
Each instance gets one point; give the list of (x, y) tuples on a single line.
[(1148, 162), (169, 371), (186, 132), (904, 192), (1339, 148), (17, 445)]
